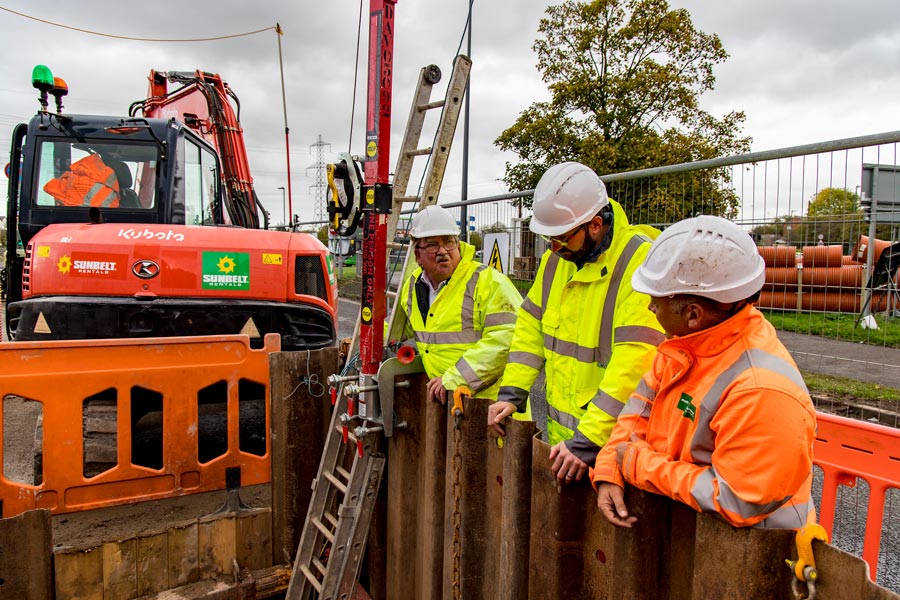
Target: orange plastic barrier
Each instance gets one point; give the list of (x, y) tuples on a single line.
[(778, 256), (822, 256), (847, 449), (179, 374)]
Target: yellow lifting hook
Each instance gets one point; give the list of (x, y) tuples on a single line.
[(457, 410), (804, 568)]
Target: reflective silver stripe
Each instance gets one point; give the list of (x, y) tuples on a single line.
[(704, 439), (467, 315), (607, 403), (604, 344), (547, 281), (645, 390), (448, 337), (91, 193), (532, 309), (563, 418), (526, 358), (496, 319), (636, 406), (639, 333), (469, 374), (570, 349), (705, 488), (789, 516)]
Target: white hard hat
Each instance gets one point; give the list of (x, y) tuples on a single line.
[(568, 195), (433, 221), (704, 256)]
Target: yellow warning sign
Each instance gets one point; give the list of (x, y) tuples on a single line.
[(43, 251), (367, 314), (371, 149), (271, 259), (370, 196), (495, 260)]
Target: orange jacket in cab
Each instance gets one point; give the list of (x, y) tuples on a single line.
[(88, 182)]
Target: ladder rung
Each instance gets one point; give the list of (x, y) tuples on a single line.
[(319, 565), (343, 473), (311, 578), (397, 246), (419, 151), (324, 530), (390, 294), (331, 519), (350, 436), (430, 105), (340, 485), (407, 199)]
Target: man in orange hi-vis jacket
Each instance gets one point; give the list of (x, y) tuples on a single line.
[(722, 421)]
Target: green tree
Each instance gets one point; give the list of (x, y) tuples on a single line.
[(625, 78), (834, 214)]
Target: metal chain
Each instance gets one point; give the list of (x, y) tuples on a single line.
[(456, 520)]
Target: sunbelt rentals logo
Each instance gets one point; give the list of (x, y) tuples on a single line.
[(226, 271)]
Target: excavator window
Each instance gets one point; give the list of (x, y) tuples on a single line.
[(199, 184), (112, 176)]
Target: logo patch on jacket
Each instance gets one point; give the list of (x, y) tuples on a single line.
[(684, 405)]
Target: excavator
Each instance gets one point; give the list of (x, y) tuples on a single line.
[(148, 226), (174, 247)]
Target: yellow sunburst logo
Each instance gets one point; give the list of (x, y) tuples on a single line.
[(64, 264), (226, 264)]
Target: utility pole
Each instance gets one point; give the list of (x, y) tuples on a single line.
[(319, 211), (464, 195)]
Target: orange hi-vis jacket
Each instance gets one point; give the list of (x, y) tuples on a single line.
[(88, 182), (724, 423)]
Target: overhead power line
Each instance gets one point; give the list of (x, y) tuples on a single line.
[(137, 39)]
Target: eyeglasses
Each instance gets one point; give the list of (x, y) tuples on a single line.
[(432, 247), (563, 240)]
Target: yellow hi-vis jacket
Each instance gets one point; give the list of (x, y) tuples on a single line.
[(592, 333), (466, 334)]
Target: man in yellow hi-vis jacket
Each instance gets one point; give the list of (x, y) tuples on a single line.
[(581, 321), (460, 312)]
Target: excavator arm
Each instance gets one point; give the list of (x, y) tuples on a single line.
[(203, 101)]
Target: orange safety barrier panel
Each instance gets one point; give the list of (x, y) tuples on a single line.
[(183, 377), (822, 256), (778, 256), (847, 449)]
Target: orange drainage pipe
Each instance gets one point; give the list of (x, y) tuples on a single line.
[(822, 256), (847, 449), (849, 277), (860, 251), (778, 256)]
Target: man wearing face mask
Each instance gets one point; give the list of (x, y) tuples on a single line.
[(460, 312), (581, 321)]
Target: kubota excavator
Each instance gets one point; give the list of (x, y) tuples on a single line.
[(148, 226)]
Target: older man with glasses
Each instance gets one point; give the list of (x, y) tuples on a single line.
[(581, 321), (460, 312)]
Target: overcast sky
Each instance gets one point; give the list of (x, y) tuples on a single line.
[(803, 71)]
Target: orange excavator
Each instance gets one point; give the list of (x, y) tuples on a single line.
[(148, 225)]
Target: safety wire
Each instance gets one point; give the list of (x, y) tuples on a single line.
[(311, 381)]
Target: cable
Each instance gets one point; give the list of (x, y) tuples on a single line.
[(355, 77), (136, 39)]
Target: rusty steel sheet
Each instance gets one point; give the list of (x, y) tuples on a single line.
[(61, 375)]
